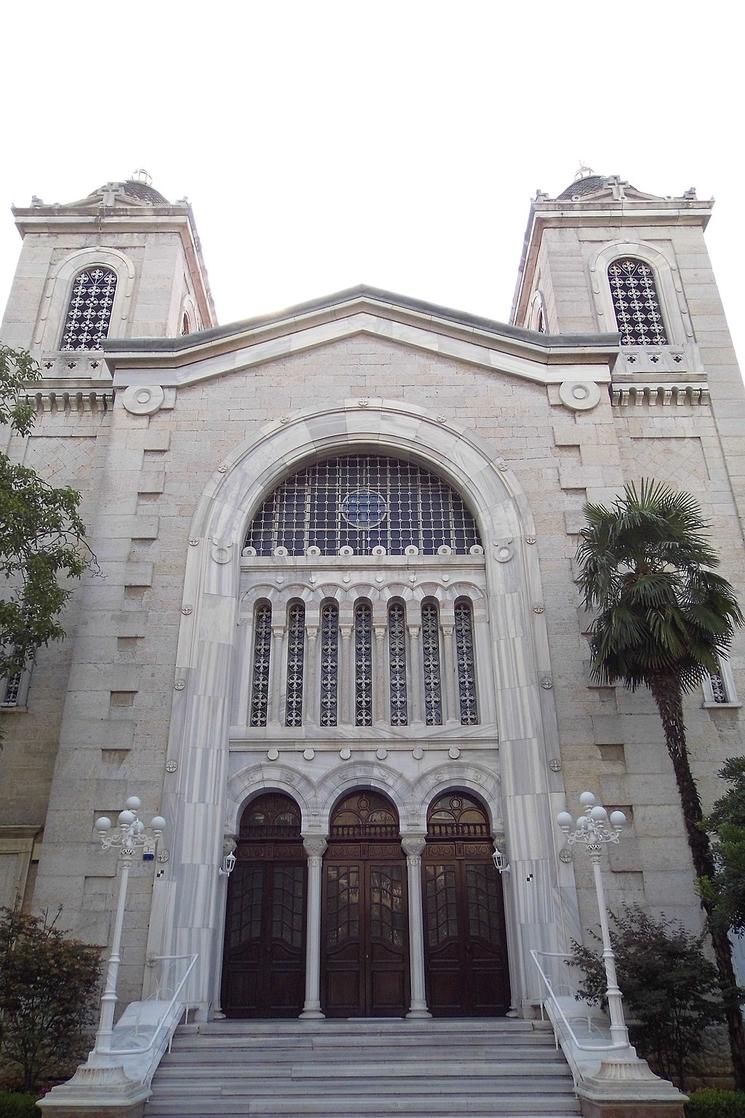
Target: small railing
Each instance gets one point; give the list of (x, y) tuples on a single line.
[(583, 1046), (159, 995)]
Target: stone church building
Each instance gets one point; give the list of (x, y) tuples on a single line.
[(334, 636)]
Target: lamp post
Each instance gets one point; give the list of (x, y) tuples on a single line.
[(593, 830), (131, 835)]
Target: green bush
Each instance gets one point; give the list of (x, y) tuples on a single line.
[(711, 1103), (17, 1105)]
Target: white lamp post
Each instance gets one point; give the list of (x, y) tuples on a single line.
[(593, 830), (132, 834)]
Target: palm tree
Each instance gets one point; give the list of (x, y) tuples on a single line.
[(662, 619)]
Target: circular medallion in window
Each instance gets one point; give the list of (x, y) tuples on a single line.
[(364, 508)]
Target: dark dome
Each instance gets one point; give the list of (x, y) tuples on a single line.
[(136, 189), (587, 185)]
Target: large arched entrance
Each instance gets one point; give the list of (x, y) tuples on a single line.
[(364, 936), (464, 931), (264, 957)]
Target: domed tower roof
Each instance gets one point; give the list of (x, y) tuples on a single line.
[(138, 186), (587, 184)]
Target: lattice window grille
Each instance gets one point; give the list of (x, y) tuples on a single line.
[(363, 674), (431, 664), (362, 502), (329, 663), (10, 689), (295, 660), (636, 303), (89, 312), (718, 688), (397, 664), (262, 653), (469, 715)]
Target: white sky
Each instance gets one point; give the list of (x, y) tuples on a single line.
[(395, 143)]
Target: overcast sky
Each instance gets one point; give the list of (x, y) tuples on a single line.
[(325, 144)]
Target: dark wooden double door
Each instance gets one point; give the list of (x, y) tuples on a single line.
[(464, 931), (365, 964)]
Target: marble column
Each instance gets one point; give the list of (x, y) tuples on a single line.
[(277, 671), (311, 678), (345, 691), (379, 675), (413, 846), (315, 845), (448, 676), (416, 672)]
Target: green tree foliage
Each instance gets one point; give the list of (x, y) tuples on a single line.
[(47, 983), (713, 1103), (663, 616), (726, 889), (670, 988), (42, 538)]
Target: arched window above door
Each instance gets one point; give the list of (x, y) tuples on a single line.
[(457, 815), (362, 501), (364, 814), (273, 815)]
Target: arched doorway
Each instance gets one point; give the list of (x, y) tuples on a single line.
[(464, 934), (264, 958), (365, 956)]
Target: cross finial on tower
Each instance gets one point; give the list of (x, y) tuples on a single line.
[(583, 171), (141, 175)]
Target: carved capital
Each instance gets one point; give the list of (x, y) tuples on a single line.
[(315, 845), (413, 845)]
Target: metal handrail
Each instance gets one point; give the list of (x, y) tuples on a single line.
[(164, 1016), (602, 1047)]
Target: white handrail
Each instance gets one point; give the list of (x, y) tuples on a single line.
[(601, 1047), (166, 1013)]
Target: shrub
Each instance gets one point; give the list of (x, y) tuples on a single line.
[(46, 987), (18, 1105), (670, 988), (710, 1103)]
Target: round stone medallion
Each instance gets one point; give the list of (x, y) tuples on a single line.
[(579, 395), (142, 399)]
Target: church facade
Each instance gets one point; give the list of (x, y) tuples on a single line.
[(334, 638)]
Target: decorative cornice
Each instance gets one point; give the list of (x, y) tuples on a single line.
[(81, 399), (668, 392)]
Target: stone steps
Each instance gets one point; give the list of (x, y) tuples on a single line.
[(363, 1069)]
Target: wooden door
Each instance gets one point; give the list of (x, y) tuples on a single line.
[(365, 969), (264, 956), (464, 932)]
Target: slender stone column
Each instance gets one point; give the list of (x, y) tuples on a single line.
[(449, 681), (413, 846), (416, 672), (315, 845), (277, 671), (311, 678), (379, 675), (345, 692)]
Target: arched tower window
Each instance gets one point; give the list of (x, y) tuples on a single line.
[(88, 315), (329, 663), (636, 302), (262, 653), (469, 711), (295, 663), (185, 325), (397, 664), (431, 662), (363, 676), (363, 501)]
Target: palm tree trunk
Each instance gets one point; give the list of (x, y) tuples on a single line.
[(667, 694)]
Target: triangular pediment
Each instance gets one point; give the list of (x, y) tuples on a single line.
[(399, 320)]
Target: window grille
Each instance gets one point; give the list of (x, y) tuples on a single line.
[(636, 303), (295, 658), (718, 688), (10, 689), (363, 693), (469, 715), (89, 312), (431, 663), (262, 652), (362, 502), (397, 664), (329, 663)]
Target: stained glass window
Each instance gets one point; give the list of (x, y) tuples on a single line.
[(89, 312), (363, 501), (295, 657), (431, 664), (363, 691), (262, 652), (329, 663), (469, 714), (397, 664), (636, 303)]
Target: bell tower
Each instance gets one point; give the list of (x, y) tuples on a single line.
[(122, 262)]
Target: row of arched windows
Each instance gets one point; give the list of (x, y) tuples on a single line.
[(411, 664)]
